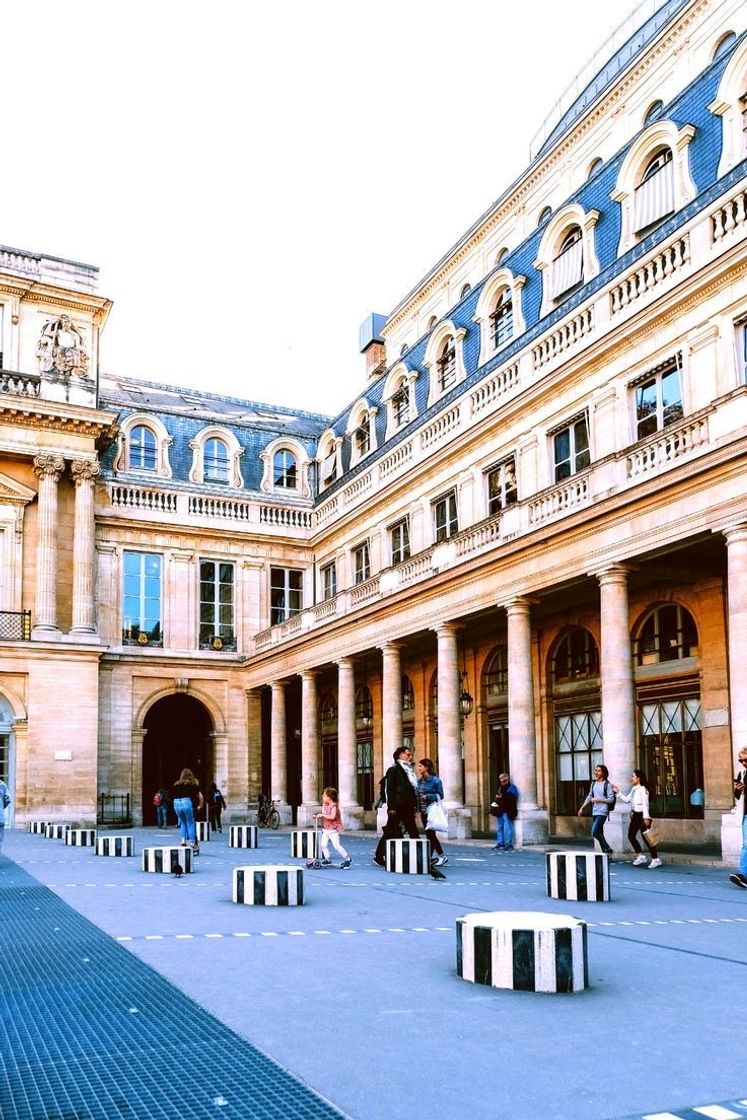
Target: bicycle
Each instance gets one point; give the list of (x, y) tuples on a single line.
[(267, 814)]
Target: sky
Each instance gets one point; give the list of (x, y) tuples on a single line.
[(254, 179)]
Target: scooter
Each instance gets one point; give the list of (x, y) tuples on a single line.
[(317, 864)]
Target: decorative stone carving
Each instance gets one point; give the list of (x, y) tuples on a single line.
[(62, 348), (181, 684), (84, 470), (49, 466)]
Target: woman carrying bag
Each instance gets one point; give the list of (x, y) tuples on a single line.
[(640, 819), (430, 796)]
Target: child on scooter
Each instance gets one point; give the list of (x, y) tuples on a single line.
[(332, 826)]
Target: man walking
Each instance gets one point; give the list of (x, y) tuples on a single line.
[(739, 878), (505, 811), (400, 785)]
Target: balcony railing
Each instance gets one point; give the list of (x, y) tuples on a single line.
[(19, 384), (15, 626)]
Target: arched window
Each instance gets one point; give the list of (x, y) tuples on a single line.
[(544, 216), (363, 708), (568, 266), (328, 713), (446, 365), (502, 319), (654, 111), (668, 633), (141, 449), (403, 349), (465, 291), (730, 102), (408, 695), (725, 43), (566, 255), (215, 461), (594, 166), (576, 657), (502, 255), (432, 322), (654, 195), (285, 470), (577, 715), (653, 180), (496, 675)]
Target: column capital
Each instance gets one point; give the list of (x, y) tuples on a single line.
[(612, 573), (345, 663), (278, 685), (309, 674), (49, 466), (448, 628), (84, 470), (393, 646), (521, 604), (734, 533)]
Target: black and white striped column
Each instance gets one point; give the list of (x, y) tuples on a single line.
[(268, 886), (167, 859), (408, 857), (56, 831), (303, 843), (528, 952), (115, 845), (202, 831), (38, 827), (243, 836), (80, 837), (578, 876)]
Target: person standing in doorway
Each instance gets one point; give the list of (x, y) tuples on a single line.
[(640, 818), (161, 802), (504, 809), (401, 802), (430, 789), (216, 805), (601, 796), (188, 801), (739, 878)]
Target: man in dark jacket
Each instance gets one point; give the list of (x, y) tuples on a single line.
[(401, 802)]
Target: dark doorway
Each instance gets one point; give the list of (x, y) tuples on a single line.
[(177, 735)]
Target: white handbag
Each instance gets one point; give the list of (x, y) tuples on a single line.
[(436, 818)]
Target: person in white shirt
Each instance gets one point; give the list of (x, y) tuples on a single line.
[(640, 818)]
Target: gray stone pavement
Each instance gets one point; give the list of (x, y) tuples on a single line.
[(356, 992)]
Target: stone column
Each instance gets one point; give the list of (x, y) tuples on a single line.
[(278, 751), (532, 824), (84, 472), (449, 721), (48, 469), (310, 792), (391, 714), (346, 744), (736, 545)]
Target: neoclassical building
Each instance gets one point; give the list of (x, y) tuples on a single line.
[(522, 546)]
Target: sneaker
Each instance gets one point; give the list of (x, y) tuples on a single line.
[(346, 862), (195, 851), (326, 862), (442, 859), (509, 847), (434, 857), (739, 880), (610, 855), (657, 863), (498, 848), (640, 860)]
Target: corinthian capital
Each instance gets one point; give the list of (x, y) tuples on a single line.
[(49, 466), (84, 470)]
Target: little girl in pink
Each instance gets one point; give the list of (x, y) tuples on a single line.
[(332, 826)]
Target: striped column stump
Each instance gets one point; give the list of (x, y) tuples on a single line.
[(115, 845), (243, 836), (529, 952), (407, 857), (579, 876), (56, 831), (202, 831), (80, 837), (39, 828), (167, 859), (303, 843), (268, 886)]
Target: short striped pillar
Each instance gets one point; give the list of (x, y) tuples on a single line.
[(38, 827), (56, 831), (202, 831), (167, 859), (578, 876), (268, 886), (529, 952), (80, 837), (243, 836), (115, 845), (303, 843), (407, 857)]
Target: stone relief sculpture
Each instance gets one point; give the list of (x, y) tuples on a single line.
[(61, 348)]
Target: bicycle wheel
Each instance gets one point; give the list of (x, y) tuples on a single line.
[(274, 819), (262, 820)]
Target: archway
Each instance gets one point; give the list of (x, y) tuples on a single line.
[(177, 734)]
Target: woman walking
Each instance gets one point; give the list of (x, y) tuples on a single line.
[(430, 790), (640, 818), (187, 802), (601, 796)]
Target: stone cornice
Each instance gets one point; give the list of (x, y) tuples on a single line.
[(556, 155), (94, 305), (43, 415)]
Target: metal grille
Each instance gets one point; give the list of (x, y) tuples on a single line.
[(15, 626)]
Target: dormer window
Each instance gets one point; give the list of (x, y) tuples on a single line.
[(215, 462), (362, 437), (141, 449), (328, 469), (731, 103), (653, 113), (143, 445), (568, 266), (654, 196), (502, 319), (216, 458), (284, 470), (401, 405), (446, 365)]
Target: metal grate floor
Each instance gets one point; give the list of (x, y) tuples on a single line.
[(89, 1032)]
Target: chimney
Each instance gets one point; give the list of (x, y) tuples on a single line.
[(372, 345)]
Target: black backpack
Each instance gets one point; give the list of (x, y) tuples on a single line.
[(610, 804), (382, 793)]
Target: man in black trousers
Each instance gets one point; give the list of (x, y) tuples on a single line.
[(401, 802)]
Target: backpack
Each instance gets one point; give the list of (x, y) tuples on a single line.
[(610, 804), (157, 799), (382, 793)]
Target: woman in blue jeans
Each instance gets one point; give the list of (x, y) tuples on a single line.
[(187, 801), (600, 797)]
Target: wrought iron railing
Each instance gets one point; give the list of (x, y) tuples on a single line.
[(114, 809), (15, 626)]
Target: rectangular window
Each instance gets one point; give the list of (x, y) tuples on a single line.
[(445, 522), (447, 371), (329, 581), (568, 268), (286, 594), (399, 536), (216, 605), (658, 401), (401, 405), (654, 198), (361, 563), (328, 469), (501, 486), (578, 749), (571, 449), (141, 613), (671, 753), (362, 437)]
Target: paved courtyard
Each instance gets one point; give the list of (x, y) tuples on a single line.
[(126, 994)]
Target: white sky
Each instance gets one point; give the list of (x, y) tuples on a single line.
[(254, 178)]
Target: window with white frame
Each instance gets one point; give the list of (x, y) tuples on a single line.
[(567, 255), (502, 319), (215, 461), (658, 399), (667, 633), (445, 519), (654, 195), (446, 365), (142, 451), (399, 539), (741, 344), (217, 626), (284, 470), (653, 180), (328, 467), (501, 483), (286, 594), (329, 580), (141, 599), (361, 563), (216, 457), (568, 266), (731, 105), (362, 437), (400, 405), (571, 448)]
